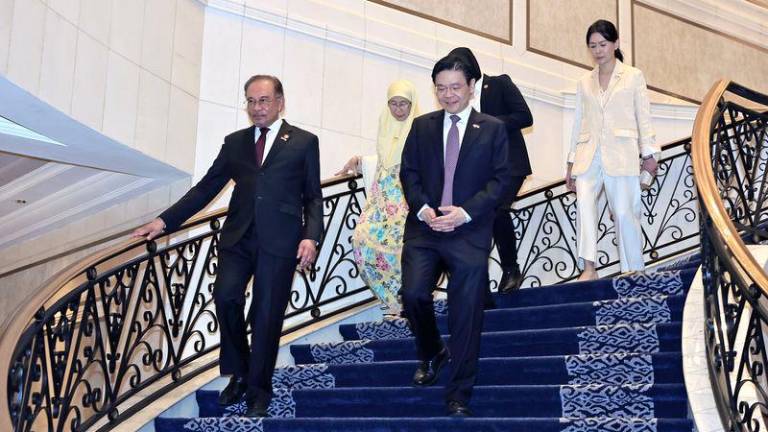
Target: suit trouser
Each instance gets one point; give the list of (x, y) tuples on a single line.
[(272, 280), (504, 229), (623, 194), (422, 259)]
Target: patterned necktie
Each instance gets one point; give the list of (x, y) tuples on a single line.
[(260, 143), (451, 157)]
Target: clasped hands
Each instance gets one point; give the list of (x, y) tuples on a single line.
[(452, 218)]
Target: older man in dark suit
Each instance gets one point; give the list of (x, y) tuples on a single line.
[(275, 220), (454, 171)]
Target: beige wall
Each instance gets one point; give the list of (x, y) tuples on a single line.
[(683, 58), (679, 56), (556, 28), (128, 69), (492, 19)]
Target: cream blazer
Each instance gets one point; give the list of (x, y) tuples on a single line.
[(620, 125)]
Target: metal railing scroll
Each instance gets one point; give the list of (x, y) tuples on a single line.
[(145, 311), (545, 223)]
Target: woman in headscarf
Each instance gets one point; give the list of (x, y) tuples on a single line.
[(378, 237)]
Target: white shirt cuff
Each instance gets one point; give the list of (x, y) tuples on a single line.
[(418, 215), (467, 218)]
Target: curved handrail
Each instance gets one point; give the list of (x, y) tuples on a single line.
[(730, 162), (709, 193)]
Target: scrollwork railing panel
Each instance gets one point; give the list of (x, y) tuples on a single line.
[(143, 313), (545, 224), (731, 150)]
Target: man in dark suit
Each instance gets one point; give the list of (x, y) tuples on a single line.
[(454, 171), (500, 97), (275, 219)]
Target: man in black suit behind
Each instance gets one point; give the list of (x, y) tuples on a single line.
[(500, 97), (275, 218), (454, 171)]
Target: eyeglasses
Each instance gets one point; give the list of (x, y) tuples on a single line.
[(260, 102), (401, 104)]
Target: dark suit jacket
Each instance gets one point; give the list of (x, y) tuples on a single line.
[(501, 98), (274, 197), (482, 174)]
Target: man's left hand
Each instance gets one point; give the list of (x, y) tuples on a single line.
[(452, 218), (306, 254)]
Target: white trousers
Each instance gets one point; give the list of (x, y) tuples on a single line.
[(623, 194)]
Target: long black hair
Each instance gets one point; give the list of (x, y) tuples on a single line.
[(608, 31)]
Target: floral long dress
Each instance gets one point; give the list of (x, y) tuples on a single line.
[(378, 238)]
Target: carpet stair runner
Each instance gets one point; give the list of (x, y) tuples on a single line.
[(595, 356)]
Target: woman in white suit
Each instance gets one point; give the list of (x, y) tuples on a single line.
[(611, 142)]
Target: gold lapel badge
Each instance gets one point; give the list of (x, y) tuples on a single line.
[(475, 125), (285, 137)]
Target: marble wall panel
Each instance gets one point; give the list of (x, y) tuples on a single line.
[(682, 58), (490, 18), (557, 29)]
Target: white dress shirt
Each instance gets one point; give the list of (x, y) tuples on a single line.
[(478, 93), (462, 126), (274, 128)]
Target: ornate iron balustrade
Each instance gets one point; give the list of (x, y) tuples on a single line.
[(730, 155), (144, 312), (544, 221)]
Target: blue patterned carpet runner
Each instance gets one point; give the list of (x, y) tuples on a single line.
[(597, 356)]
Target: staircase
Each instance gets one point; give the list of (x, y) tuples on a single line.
[(593, 356)]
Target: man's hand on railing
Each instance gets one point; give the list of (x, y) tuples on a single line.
[(570, 181), (150, 230), (306, 253)]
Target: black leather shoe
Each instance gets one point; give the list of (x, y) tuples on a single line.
[(458, 409), (511, 279), (256, 409), (233, 392), (429, 370)]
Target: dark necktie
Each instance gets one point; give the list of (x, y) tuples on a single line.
[(451, 157), (260, 143)]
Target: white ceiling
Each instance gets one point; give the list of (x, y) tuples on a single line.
[(54, 170), (38, 195)]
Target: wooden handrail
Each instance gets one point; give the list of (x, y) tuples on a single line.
[(708, 191)]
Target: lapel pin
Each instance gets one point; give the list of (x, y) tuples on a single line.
[(284, 137), (475, 125), (485, 85)]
